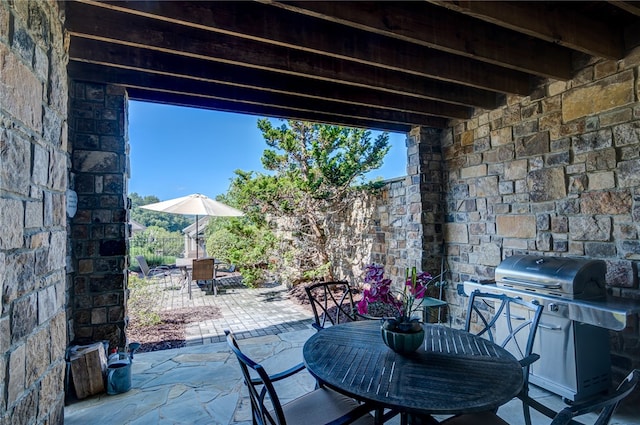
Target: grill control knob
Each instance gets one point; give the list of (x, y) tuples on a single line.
[(553, 307)]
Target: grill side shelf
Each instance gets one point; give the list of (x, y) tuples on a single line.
[(609, 312)]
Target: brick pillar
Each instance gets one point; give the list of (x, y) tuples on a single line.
[(99, 169)]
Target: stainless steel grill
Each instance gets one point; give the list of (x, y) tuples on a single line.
[(572, 278), (574, 355)]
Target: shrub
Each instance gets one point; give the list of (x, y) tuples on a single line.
[(142, 301)]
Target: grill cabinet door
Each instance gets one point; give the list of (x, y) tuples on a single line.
[(556, 368)]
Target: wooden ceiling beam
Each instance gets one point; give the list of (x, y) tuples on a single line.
[(230, 106), (262, 23), (632, 7), (439, 28), (198, 89), (95, 51), (108, 23), (153, 62), (555, 22)]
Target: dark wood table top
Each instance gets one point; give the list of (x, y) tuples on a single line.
[(452, 372)]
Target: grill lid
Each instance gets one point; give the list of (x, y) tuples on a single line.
[(559, 276)]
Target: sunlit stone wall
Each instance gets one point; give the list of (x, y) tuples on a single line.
[(33, 239), (554, 173)]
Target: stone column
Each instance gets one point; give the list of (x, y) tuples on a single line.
[(425, 200), (97, 130), (33, 181)]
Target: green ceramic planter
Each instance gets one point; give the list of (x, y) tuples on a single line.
[(402, 342)]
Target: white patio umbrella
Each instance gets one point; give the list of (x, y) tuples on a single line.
[(197, 205)]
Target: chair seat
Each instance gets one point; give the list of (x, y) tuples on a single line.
[(481, 418), (320, 407)]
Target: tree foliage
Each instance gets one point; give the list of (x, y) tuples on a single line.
[(313, 172), (243, 243), (170, 222)]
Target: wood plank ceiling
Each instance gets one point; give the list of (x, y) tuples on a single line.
[(378, 65)]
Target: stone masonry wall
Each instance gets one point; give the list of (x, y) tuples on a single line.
[(98, 135), (555, 173), (371, 229), (407, 221), (398, 226), (33, 180)]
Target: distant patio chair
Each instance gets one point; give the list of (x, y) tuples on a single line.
[(148, 272)]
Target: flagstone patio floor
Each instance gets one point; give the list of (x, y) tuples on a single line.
[(201, 383)]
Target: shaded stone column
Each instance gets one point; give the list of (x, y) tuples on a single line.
[(425, 213), (99, 169)]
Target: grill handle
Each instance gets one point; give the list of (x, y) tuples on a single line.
[(531, 284), (549, 327), (515, 316)]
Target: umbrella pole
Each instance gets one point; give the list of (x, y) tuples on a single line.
[(197, 235)]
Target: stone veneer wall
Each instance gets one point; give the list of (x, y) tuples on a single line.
[(399, 227), (406, 227), (99, 173), (33, 180), (554, 173)]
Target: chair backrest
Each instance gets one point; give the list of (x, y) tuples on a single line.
[(144, 267), (265, 404), (512, 324), (507, 321), (608, 404), (203, 269), (332, 303)]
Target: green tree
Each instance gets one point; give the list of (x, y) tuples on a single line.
[(243, 243), (170, 222), (315, 171)]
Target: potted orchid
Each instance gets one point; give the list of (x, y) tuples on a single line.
[(396, 308)]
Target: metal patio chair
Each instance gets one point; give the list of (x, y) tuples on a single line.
[(318, 407), (606, 406), (148, 272), (332, 303), (512, 324)]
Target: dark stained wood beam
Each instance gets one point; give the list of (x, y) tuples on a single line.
[(241, 95), (228, 106), (127, 29), (161, 63), (632, 7), (95, 51), (556, 22), (259, 22), (438, 28)]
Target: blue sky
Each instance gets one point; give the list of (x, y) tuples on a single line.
[(178, 151)]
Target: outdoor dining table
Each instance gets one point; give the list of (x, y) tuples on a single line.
[(452, 372)]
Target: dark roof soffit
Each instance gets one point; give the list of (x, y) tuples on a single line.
[(382, 65)]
